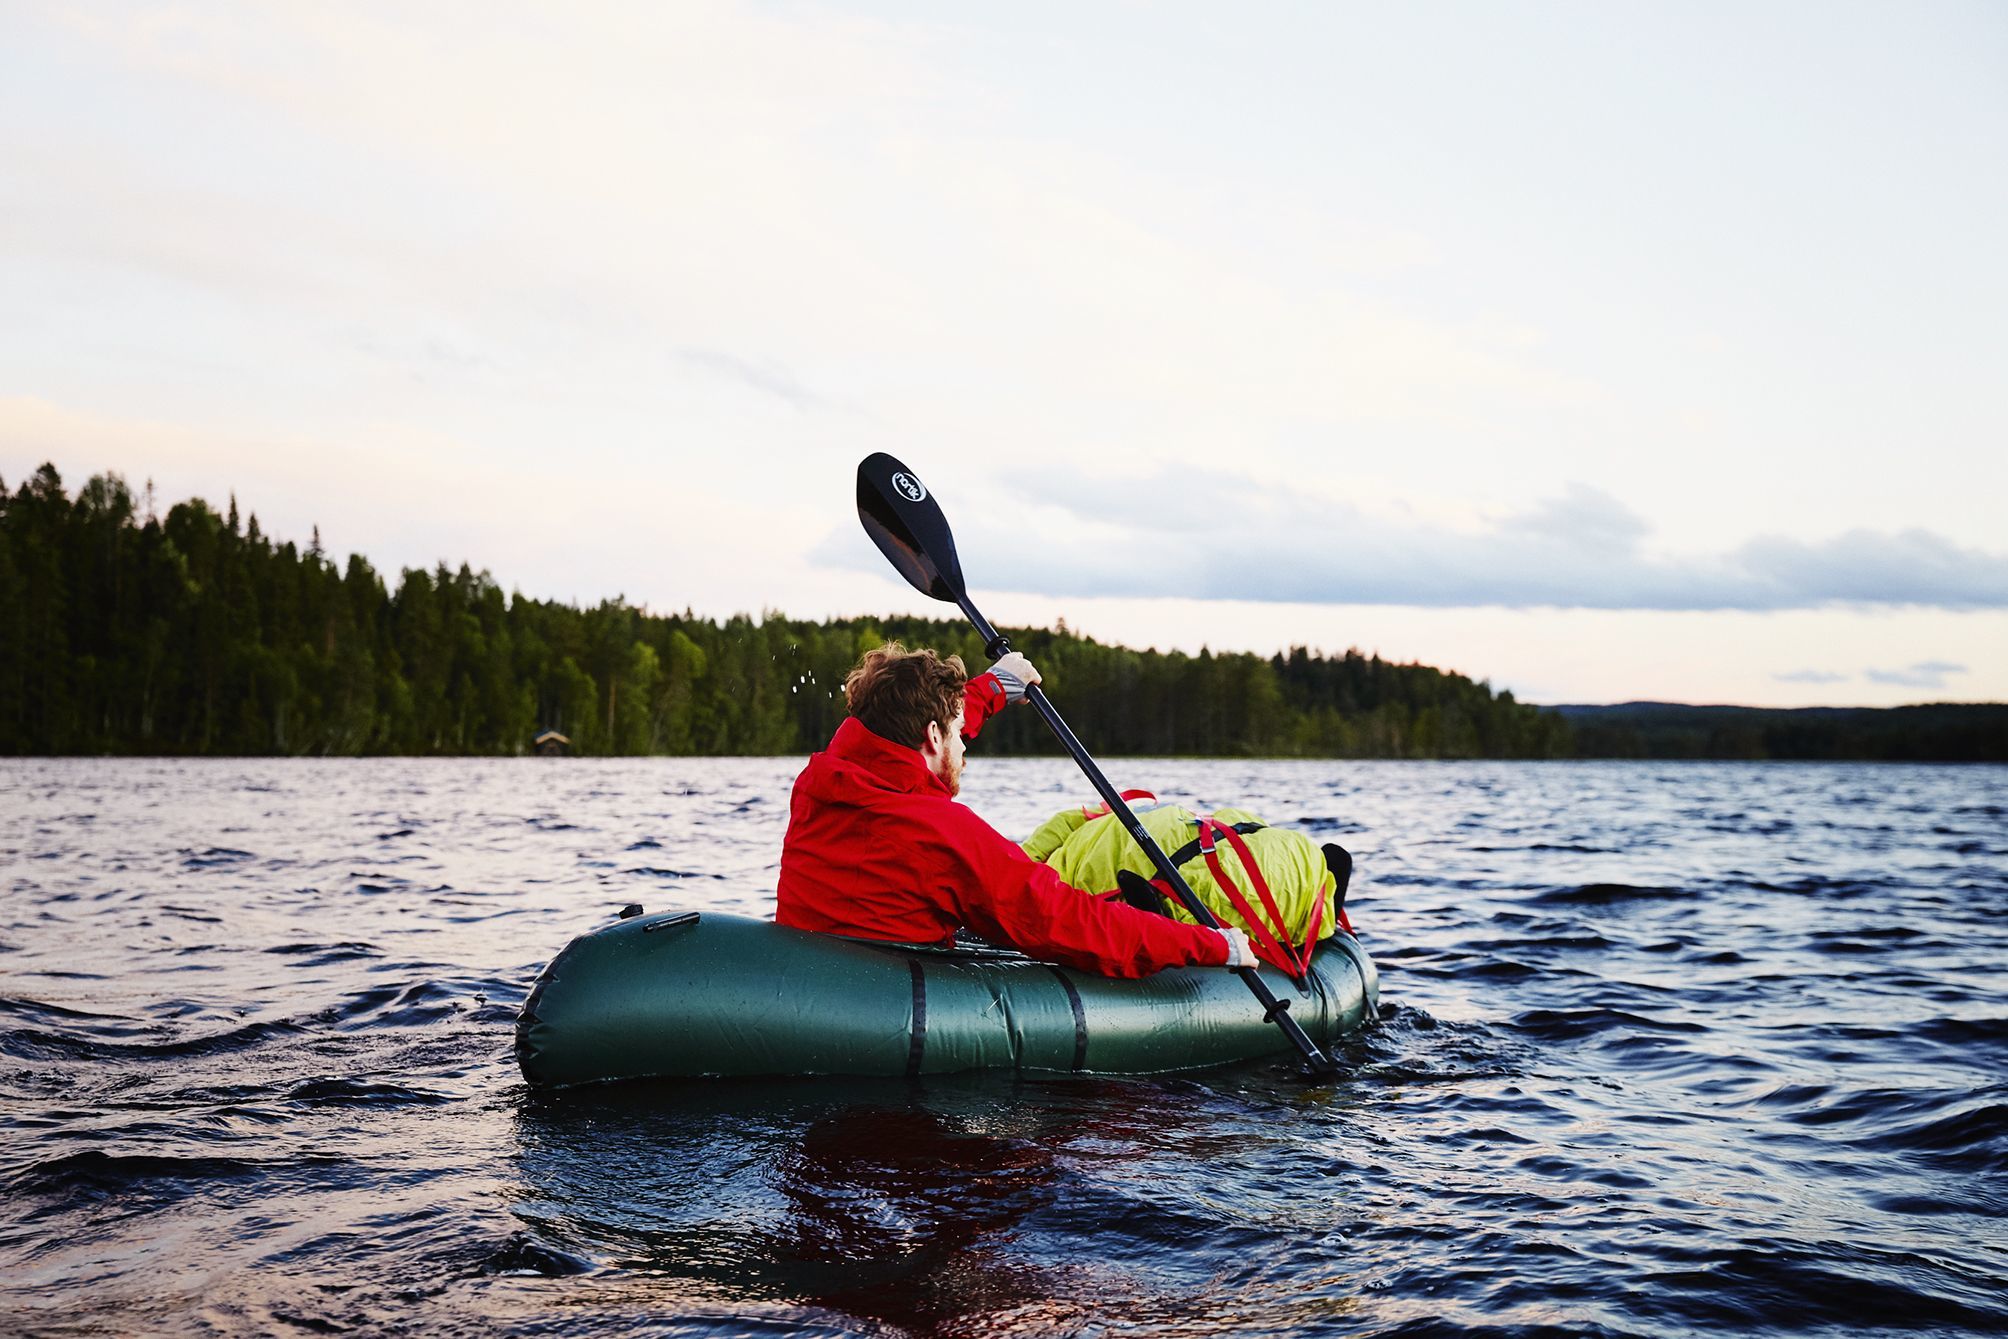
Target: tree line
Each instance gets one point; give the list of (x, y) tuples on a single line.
[(123, 632), (1939, 732)]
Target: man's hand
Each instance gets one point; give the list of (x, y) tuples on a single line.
[(1014, 674), (1239, 954)]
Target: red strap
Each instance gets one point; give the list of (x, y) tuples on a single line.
[(1265, 944), (1267, 935), (1271, 934), (1262, 887), (1317, 920), (1094, 811)]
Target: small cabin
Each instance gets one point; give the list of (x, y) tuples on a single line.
[(551, 744)]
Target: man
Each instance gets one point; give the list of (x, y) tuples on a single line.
[(877, 847)]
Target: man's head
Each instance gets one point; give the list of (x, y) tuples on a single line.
[(913, 698)]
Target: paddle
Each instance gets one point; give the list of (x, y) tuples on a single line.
[(906, 523)]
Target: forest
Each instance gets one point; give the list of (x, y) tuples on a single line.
[(125, 632)]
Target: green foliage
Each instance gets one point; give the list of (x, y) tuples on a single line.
[(197, 634)]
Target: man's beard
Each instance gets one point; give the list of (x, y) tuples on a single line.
[(951, 775)]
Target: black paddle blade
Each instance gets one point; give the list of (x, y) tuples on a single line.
[(904, 520)]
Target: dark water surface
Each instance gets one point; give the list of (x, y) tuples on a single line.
[(1668, 1049)]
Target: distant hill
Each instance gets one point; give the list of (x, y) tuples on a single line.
[(1935, 732)]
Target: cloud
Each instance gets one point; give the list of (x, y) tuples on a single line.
[(1870, 567), (1812, 676), (1212, 534), (1590, 517), (767, 377), (1923, 674), (629, 205)]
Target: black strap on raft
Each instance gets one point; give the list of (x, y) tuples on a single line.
[(1340, 861), (1080, 1017), (1142, 894), (916, 1046), (1200, 843)]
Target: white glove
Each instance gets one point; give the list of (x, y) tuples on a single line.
[(1015, 674), (1239, 954)]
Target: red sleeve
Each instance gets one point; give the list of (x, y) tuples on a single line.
[(1012, 899), (982, 698)]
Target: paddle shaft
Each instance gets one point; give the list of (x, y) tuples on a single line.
[(1273, 1009)]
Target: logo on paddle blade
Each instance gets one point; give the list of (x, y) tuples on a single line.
[(908, 486)]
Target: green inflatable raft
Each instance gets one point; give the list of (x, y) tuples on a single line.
[(685, 995)]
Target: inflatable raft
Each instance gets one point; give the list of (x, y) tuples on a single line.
[(684, 995)]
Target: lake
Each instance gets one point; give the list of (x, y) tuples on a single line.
[(1665, 1048)]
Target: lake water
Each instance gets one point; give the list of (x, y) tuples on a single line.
[(1666, 1049)]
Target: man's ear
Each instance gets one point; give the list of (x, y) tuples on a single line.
[(937, 738)]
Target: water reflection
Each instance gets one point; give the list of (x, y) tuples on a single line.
[(923, 1207)]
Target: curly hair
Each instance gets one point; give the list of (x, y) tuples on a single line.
[(895, 692)]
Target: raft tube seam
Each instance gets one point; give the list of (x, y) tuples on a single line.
[(1080, 1019), (917, 1047)]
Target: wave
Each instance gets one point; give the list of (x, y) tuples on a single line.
[(1963, 1032), (1609, 894), (320, 955), (95, 1175), (333, 1092), (210, 857), (1570, 1024), (35, 1044)]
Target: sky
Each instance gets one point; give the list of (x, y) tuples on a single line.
[(1602, 352)]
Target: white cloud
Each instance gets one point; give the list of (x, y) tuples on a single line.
[(1211, 534), (1923, 674), (1811, 676), (807, 193)]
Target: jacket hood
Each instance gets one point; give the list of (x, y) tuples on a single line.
[(860, 758)]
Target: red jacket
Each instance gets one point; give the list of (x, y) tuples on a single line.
[(877, 849)]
